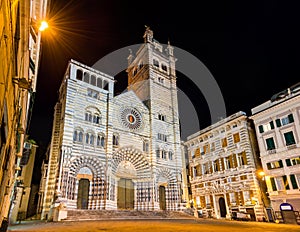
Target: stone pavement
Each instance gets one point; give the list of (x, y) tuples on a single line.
[(145, 225)]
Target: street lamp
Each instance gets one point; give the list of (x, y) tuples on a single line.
[(44, 25)]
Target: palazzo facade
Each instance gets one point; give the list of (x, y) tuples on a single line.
[(117, 152)]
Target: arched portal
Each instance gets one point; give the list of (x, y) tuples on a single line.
[(222, 206)]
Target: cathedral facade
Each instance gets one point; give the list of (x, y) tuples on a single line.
[(117, 152)]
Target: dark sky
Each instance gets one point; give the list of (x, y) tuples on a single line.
[(250, 47)]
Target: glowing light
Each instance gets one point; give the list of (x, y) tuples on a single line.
[(261, 173), (44, 25)]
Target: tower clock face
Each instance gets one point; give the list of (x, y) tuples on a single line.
[(131, 118)]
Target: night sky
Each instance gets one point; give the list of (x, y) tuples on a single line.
[(250, 47)]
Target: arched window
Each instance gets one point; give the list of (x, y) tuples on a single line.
[(93, 80), (80, 137), (96, 119), (170, 155), (75, 137), (145, 146), (86, 77), (155, 63), (79, 74), (164, 67), (92, 139), (87, 138), (102, 142), (99, 82), (116, 140), (105, 85)]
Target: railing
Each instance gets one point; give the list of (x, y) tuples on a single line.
[(292, 146), (271, 151)]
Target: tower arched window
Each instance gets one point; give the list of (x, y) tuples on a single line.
[(99, 82), (96, 119), (155, 63), (170, 155), (86, 77), (164, 67), (75, 136), (105, 85), (93, 80), (87, 138), (116, 140), (79, 74), (100, 140), (92, 139), (80, 136), (145, 146)]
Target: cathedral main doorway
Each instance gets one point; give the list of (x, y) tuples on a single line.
[(83, 194), (162, 197), (125, 194)]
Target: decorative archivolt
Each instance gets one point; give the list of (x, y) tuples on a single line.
[(135, 157), (92, 163), (166, 174)]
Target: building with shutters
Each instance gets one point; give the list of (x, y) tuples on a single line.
[(278, 135), (117, 152), (223, 169), (19, 55)]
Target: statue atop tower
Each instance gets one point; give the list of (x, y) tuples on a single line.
[(148, 35)]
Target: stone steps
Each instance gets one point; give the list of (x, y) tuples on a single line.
[(77, 215)]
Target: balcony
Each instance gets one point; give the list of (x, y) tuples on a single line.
[(292, 146), (271, 151)]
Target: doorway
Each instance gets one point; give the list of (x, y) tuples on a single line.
[(162, 197), (125, 194), (83, 194), (222, 206)]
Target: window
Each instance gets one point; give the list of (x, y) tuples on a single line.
[(266, 127), (275, 164), (273, 184), (164, 154), (197, 153), (96, 119), (87, 138), (170, 155), (115, 140), (293, 161), (243, 177), (224, 142), (77, 136), (286, 183), (100, 140), (86, 77), (161, 117), (162, 137), (228, 163), (212, 146), (92, 93), (145, 146), (155, 63), (287, 120), (161, 80), (289, 138), (164, 67), (92, 139), (158, 153), (79, 74), (242, 158), (236, 137), (293, 181), (270, 143)]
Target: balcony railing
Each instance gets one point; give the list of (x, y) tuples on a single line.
[(292, 146), (271, 151)]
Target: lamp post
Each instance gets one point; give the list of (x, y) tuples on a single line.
[(263, 193)]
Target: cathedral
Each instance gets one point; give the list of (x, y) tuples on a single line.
[(117, 152)]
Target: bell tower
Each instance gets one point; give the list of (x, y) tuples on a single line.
[(152, 76)]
